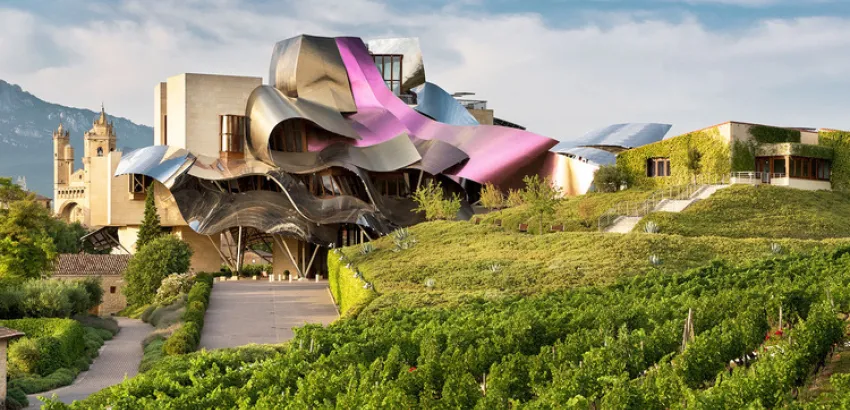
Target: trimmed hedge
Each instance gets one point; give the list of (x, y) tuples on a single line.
[(839, 141), (348, 291), (60, 343), (187, 338), (764, 134)]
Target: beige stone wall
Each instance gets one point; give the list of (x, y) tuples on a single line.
[(484, 117), (166, 207), (128, 235), (810, 138), (205, 256), (160, 109), (114, 299), (3, 344), (194, 103), (807, 184)]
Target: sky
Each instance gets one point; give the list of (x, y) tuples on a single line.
[(559, 67)]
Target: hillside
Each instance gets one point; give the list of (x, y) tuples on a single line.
[(26, 131), (468, 262), (743, 211)]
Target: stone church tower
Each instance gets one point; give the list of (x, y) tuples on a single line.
[(72, 194)]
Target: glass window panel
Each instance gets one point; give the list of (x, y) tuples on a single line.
[(380, 64), (779, 165), (396, 87), (396, 67)]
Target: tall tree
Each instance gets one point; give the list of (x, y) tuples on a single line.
[(151, 227), (26, 249), (541, 195)]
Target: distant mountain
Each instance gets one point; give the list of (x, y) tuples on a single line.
[(26, 135)]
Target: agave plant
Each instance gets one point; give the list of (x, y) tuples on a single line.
[(495, 268), (655, 260), (367, 285), (367, 248), (651, 227), (430, 283), (357, 274), (403, 239), (776, 248)]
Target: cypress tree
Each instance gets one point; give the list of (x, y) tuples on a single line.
[(150, 228)]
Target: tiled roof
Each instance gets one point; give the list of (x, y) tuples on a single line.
[(6, 333), (89, 264)]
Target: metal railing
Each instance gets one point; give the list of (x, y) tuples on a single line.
[(642, 208)]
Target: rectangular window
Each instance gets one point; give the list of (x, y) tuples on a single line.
[(390, 67), (112, 289), (658, 167), (139, 185)]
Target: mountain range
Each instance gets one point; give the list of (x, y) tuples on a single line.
[(26, 135)]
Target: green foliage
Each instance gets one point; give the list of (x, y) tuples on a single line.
[(346, 289), (256, 270), (492, 197), (26, 249), (16, 399), (187, 337), (714, 161), (37, 384), (609, 178), (541, 196), (161, 257), (839, 141), (432, 199), (743, 156), (694, 163), (514, 198), (38, 298), (153, 354), (173, 286), (151, 227), (616, 346), (163, 316), (743, 211), (49, 344), (459, 256), (794, 149), (10, 191), (764, 134)]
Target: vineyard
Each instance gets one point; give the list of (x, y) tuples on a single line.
[(629, 344)]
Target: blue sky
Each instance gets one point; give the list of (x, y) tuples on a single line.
[(560, 67)]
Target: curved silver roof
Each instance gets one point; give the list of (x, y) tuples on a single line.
[(592, 155), (438, 104), (618, 137)]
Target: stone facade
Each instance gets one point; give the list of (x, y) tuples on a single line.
[(109, 268), (5, 336)]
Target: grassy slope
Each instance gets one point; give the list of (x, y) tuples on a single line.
[(459, 257), (567, 212), (764, 212)]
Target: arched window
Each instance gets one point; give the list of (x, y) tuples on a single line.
[(100, 151)]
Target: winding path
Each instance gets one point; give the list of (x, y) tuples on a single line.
[(248, 311), (119, 358)]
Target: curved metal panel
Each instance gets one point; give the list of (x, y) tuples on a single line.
[(618, 137), (494, 152), (387, 156), (438, 104), (268, 107), (592, 155), (159, 162), (311, 68), (437, 156), (216, 169), (412, 66)]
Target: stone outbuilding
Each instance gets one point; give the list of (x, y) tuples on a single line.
[(109, 268), (6, 335)]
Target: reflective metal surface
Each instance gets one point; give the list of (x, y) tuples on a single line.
[(618, 137), (592, 155), (412, 66), (310, 68), (438, 104), (159, 162)]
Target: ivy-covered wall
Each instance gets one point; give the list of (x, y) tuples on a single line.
[(839, 141), (764, 134), (714, 151), (794, 150), (743, 156)]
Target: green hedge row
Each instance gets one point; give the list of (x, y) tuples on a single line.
[(839, 141), (49, 298), (187, 338), (347, 290), (50, 344)]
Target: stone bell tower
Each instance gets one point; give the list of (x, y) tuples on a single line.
[(63, 159), (99, 141)]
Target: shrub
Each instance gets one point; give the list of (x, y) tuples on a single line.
[(541, 195), (609, 178), (492, 197), (153, 353), (24, 357), (172, 286), (94, 289), (164, 316), (256, 270), (184, 340), (49, 298), (151, 264), (101, 323), (36, 384), (60, 342), (434, 202), (16, 399), (514, 198)]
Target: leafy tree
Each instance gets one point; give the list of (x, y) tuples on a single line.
[(151, 227), (609, 178), (432, 200), (10, 191), (161, 257), (694, 163), (492, 197), (26, 249), (514, 198), (541, 197)]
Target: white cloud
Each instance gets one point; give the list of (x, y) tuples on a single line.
[(559, 82)]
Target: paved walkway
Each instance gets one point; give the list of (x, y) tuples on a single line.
[(248, 311), (119, 358)]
